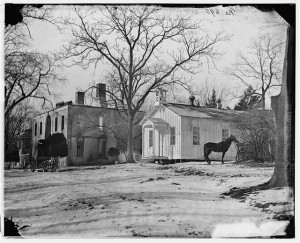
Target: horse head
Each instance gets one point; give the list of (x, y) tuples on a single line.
[(233, 139)]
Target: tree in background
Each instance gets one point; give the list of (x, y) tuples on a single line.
[(210, 94), (15, 124), (255, 128), (284, 113), (213, 102), (28, 74), (136, 42), (248, 100), (262, 68)]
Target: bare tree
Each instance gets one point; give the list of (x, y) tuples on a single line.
[(135, 41), (16, 123), (262, 68), (255, 128), (20, 15), (28, 73), (205, 90), (282, 104)]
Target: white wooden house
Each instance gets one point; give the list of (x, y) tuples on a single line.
[(179, 131)]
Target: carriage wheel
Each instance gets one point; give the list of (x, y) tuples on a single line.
[(32, 167), (25, 167), (53, 168), (26, 163)]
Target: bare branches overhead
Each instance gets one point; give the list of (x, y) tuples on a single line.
[(144, 46), (28, 74), (262, 68)]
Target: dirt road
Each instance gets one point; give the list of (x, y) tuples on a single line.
[(180, 200)]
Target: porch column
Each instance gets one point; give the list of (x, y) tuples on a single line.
[(158, 141), (143, 142), (153, 140)]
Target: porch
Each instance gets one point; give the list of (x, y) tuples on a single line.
[(156, 133)]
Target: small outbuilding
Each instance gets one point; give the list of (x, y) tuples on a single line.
[(179, 131)]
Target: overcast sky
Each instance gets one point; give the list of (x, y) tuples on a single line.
[(245, 24)]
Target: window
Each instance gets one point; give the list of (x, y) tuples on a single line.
[(172, 142), (62, 122), (56, 123), (196, 136), (41, 128), (150, 138), (80, 147), (101, 123), (35, 129), (225, 134)]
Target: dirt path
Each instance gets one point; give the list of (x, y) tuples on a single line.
[(181, 200)]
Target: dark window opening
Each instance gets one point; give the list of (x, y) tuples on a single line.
[(196, 136), (62, 122), (150, 138), (80, 148), (172, 136), (55, 124), (225, 133), (41, 128), (35, 129)]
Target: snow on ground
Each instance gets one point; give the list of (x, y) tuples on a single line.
[(126, 200)]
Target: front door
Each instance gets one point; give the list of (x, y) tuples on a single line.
[(102, 148)]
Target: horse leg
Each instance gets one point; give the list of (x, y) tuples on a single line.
[(208, 151), (223, 154)]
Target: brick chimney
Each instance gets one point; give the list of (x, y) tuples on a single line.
[(79, 98), (101, 94), (192, 99)]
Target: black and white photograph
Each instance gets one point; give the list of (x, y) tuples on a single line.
[(158, 120)]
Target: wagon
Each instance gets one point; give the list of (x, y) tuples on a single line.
[(45, 163)]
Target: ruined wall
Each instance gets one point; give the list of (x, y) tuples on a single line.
[(40, 120)]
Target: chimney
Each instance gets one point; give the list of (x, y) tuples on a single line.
[(192, 99), (219, 104), (79, 98), (101, 94), (161, 96), (60, 104)]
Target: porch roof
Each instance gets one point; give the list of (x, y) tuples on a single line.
[(158, 121)]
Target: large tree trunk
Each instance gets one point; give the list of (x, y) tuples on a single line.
[(130, 140), (283, 106)]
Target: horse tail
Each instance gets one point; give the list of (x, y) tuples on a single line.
[(204, 150)]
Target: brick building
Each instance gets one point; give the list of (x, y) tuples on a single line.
[(90, 130)]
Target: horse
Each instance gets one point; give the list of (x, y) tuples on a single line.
[(218, 147)]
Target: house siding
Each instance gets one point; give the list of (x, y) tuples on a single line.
[(210, 131), (174, 120)]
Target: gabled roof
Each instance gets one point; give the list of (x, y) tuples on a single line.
[(149, 114), (202, 112), (184, 110), (158, 121)]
